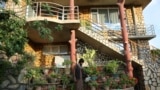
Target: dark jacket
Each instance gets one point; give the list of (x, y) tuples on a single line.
[(77, 72)]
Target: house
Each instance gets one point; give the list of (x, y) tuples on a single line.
[(93, 24)]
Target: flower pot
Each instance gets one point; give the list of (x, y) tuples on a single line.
[(38, 88), (67, 70), (130, 88), (93, 77), (93, 88), (106, 88)]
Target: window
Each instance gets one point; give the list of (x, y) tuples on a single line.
[(55, 49), (2, 4), (108, 17)]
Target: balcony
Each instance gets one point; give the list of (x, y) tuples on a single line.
[(141, 31), (51, 12), (134, 32)]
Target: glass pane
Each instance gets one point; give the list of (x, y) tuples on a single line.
[(64, 49), (94, 10), (114, 19), (55, 49), (113, 14), (2, 4), (94, 18), (94, 15), (103, 16)]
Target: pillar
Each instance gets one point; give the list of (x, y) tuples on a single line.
[(71, 9), (125, 38), (73, 50)]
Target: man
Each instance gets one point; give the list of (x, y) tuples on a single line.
[(78, 78)]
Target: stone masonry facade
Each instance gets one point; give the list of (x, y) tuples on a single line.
[(151, 69)]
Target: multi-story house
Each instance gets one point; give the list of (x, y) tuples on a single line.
[(93, 24)]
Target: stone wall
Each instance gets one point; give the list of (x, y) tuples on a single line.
[(18, 82), (100, 59), (40, 60), (150, 68), (12, 82)]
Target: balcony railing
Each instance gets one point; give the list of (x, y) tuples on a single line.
[(133, 30), (141, 30), (51, 10), (97, 32)]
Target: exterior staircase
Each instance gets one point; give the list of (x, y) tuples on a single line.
[(97, 36), (134, 56), (96, 33)]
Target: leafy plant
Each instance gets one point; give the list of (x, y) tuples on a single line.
[(43, 30), (65, 79), (67, 63), (39, 80), (59, 27), (47, 8), (16, 37), (93, 83), (89, 56), (91, 70), (108, 82), (54, 75), (155, 53), (4, 67), (112, 66), (33, 73)]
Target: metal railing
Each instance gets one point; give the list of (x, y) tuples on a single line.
[(44, 9), (141, 30), (53, 10), (97, 32), (133, 30)]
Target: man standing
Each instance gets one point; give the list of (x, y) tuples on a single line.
[(78, 75)]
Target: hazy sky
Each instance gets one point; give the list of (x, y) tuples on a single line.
[(152, 16)]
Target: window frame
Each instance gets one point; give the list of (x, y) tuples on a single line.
[(53, 47), (108, 8)]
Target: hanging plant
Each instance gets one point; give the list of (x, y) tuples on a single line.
[(43, 30)]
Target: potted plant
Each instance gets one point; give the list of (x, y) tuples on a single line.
[(124, 83), (89, 57), (93, 84), (32, 73), (107, 83), (53, 77), (36, 77), (112, 67), (91, 72), (65, 80), (67, 64)]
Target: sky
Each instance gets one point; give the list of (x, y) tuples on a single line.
[(152, 17)]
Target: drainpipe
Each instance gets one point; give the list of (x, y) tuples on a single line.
[(125, 38)]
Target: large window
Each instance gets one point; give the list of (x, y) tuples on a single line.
[(55, 49), (108, 17)]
